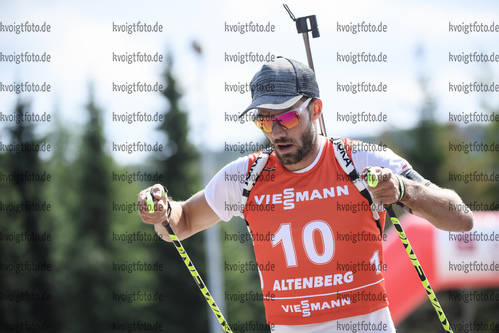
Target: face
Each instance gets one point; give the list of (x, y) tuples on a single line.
[(295, 144)]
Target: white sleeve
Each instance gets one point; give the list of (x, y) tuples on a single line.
[(224, 192), (370, 155)]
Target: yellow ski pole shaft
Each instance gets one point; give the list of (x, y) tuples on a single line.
[(372, 181), (190, 266)]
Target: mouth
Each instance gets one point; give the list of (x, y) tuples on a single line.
[(284, 148)]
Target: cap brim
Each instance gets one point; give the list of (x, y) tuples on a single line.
[(273, 103)]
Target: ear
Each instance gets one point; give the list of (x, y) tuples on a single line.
[(316, 109)]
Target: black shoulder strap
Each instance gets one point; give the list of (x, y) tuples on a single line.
[(254, 173), (347, 165)]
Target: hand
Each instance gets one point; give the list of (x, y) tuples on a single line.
[(160, 205), (387, 191)]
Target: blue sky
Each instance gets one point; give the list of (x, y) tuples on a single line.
[(82, 42)]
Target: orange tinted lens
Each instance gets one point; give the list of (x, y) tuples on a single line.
[(264, 123)]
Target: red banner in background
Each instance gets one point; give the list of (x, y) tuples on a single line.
[(450, 260)]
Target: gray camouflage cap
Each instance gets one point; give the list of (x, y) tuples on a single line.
[(280, 84)]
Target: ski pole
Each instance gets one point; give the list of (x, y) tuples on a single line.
[(187, 261), (372, 181), (302, 28)]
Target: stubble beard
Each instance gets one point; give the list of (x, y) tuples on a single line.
[(308, 139)]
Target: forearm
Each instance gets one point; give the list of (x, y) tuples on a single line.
[(185, 218), (441, 207), (177, 221)]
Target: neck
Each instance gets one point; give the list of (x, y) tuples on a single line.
[(309, 158)]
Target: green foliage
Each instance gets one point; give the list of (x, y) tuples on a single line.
[(89, 253), (180, 163), (180, 168), (17, 222)]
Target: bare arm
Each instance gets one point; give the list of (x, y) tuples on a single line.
[(441, 207), (186, 219)]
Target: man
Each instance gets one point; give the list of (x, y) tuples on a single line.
[(324, 256)]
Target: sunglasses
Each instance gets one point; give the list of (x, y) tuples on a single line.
[(285, 120)]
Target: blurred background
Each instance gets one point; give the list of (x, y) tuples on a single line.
[(71, 242)]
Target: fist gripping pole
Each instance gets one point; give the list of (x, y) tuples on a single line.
[(187, 261), (372, 181)]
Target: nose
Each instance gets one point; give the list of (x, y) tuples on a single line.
[(277, 131)]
